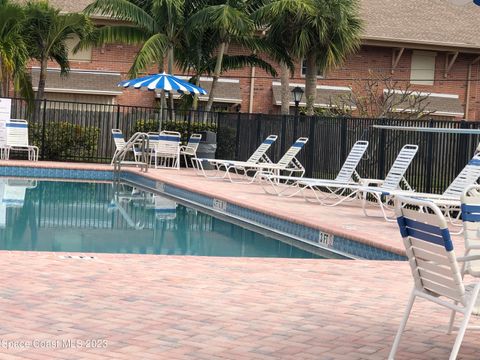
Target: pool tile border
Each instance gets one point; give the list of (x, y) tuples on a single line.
[(332, 242)]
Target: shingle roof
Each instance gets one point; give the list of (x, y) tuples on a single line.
[(422, 21), (434, 22)]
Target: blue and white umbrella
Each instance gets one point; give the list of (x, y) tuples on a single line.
[(165, 82)]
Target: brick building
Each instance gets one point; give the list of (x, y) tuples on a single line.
[(430, 44)]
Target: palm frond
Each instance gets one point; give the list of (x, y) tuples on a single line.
[(123, 10), (153, 51)]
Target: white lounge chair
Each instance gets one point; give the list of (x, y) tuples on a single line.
[(281, 185), (394, 180), (17, 139), (191, 148), (449, 201), (435, 269), (222, 167), (166, 149), (288, 164)]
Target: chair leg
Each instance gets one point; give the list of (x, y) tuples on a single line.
[(452, 320), (406, 315), (463, 326)]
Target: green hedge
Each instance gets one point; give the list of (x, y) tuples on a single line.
[(64, 140), (225, 136)]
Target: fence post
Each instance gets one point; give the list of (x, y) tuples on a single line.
[(44, 121), (311, 148), (343, 140), (237, 137), (117, 121), (283, 135), (381, 152), (429, 160), (259, 129), (189, 124)]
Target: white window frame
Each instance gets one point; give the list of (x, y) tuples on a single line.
[(303, 73), (71, 42)]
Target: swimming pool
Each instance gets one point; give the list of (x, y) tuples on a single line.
[(88, 217)]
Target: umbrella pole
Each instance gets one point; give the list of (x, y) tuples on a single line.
[(162, 98)]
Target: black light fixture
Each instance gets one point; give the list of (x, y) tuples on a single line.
[(297, 95)]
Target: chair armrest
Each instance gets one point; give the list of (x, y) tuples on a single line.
[(468, 258), (370, 182)]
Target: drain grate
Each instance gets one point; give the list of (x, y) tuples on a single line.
[(78, 257)]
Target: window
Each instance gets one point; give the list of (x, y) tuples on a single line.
[(423, 68), (82, 55), (304, 70)]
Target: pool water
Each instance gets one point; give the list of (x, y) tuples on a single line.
[(103, 218)]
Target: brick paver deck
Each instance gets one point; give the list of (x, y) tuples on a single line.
[(162, 307), (167, 307)]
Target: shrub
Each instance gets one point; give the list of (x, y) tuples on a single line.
[(66, 141)]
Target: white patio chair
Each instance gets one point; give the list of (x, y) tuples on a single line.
[(191, 148), (288, 164), (17, 139), (471, 227), (346, 176), (434, 266), (166, 150), (119, 142), (393, 181), (223, 166)]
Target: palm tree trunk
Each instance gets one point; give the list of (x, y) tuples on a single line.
[(311, 82), (42, 79), (216, 75), (170, 93), (195, 97), (2, 77), (285, 88)]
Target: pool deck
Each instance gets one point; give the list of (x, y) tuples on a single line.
[(346, 221), (171, 307)]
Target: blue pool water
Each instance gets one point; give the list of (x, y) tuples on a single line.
[(103, 218)]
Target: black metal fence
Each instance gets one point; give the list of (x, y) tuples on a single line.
[(69, 131)]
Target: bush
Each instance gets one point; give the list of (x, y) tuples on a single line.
[(64, 140), (225, 136)]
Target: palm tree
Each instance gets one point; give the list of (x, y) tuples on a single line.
[(283, 20), (196, 55), (156, 25), (333, 33), (46, 31), (228, 21), (13, 51)]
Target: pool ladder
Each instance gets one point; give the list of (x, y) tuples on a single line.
[(140, 141)]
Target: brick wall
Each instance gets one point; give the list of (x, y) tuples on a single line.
[(118, 58)]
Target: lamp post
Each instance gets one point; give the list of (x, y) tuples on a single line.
[(297, 97)]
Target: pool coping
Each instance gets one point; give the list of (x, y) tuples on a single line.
[(219, 203)]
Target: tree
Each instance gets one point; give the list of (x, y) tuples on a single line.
[(283, 21), (13, 51), (228, 21), (156, 25), (380, 96), (197, 56), (46, 30), (332, 34)]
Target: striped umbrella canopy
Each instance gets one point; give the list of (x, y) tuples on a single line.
[(165, 82)]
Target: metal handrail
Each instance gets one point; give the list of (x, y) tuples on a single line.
[(138, 138)]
